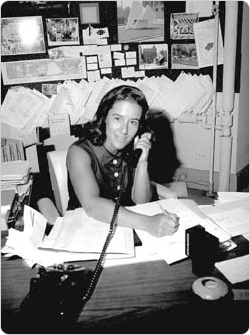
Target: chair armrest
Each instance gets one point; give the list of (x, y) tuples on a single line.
[(164, 192)]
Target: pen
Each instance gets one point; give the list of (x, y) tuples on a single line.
[(165, 211)]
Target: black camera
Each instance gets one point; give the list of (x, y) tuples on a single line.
[(202, 248)]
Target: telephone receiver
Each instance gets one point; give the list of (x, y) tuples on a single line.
[(135, 154)]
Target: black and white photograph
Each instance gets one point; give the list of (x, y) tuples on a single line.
[(125, 167), (22, 35), (140, 21), (62, 31), (184, 56), (153, 56), (181, 25)]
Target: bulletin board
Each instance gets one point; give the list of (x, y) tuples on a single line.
[(106, 16)]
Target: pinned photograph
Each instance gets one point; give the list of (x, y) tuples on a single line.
[(181, 25), (140, 21), (22, 35), (62, 31), (153, 56), (184, 56)]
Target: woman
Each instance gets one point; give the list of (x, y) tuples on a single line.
[(95, 164)]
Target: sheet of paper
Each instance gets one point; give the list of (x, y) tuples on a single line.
[(204, 8), (231, 216), (77, 232), (235, 270), (234, 221), (19, 107), (170, 248), (230, 196), (59, 125), (204, 40)]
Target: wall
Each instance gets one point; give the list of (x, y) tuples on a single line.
[(193, 140), (242, 147)]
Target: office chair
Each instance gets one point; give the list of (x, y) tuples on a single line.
[(59, 180)]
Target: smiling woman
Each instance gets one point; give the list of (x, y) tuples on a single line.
[(96, 164)]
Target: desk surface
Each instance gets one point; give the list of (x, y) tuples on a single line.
[(150, 297)]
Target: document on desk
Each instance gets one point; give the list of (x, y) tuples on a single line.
[(236, 269), (74, 237), (231, 216), (78, 232), (172, 248)]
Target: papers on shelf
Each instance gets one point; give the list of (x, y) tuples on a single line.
[(15, 172), (235, 270)]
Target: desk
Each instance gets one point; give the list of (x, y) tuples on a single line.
[(151, 297)]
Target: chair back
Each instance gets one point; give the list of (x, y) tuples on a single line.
[(59, 178)]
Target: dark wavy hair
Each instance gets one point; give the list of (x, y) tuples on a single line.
[(95, 130)]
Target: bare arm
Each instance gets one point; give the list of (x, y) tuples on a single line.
[(48, 209), (142, 188), (88, 193)]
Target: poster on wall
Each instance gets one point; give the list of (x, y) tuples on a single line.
[(22, 35), (184, 56), (181, 25), (37, 70), (139, 22), (153, 56), (62, 31)]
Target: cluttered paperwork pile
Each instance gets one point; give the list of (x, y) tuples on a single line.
[(76, 236)]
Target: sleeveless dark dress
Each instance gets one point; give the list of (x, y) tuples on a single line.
[(108, 171)]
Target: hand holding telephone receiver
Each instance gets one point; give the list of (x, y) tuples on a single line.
[(137, 152)]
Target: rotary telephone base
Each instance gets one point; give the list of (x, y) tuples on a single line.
[(55, 299)]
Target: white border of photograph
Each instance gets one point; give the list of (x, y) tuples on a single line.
[(22, 35), (62, 31), (184, 56), (153, 56)]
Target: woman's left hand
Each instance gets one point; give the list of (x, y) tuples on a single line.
[(143, 142)]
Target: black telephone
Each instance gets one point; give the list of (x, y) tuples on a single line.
[(58, 294)]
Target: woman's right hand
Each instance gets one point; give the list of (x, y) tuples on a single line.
[(163, 224)]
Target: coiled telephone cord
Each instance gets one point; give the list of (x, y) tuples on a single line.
[(112, 229)]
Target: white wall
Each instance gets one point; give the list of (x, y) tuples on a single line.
[(193, 141)]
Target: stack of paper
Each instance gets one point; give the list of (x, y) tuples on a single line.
[(172, 248), (74, 237), (14, 173), (231, 216)]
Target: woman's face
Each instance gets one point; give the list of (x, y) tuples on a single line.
[(122, 124)]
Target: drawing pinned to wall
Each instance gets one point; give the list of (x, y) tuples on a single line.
[(153, 56), (62, 31), (184, 56), (139, 22), (22, 35), (181, 25)]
